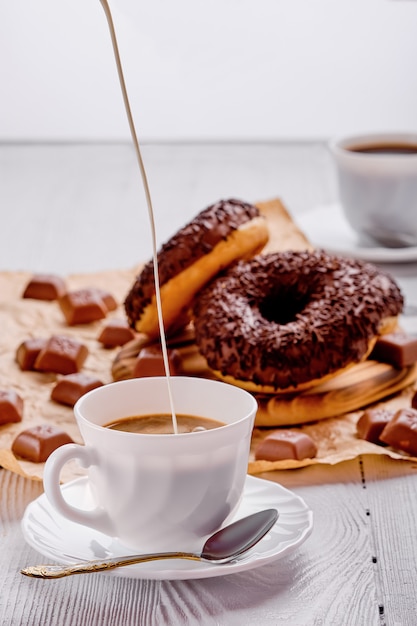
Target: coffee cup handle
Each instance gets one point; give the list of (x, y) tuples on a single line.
[(96, 518)]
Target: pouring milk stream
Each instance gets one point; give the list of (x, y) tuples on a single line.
[(132, 128)]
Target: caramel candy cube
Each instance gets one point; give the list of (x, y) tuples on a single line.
[(150, 362), (397, 349), (11, 407), (116, 333), (27, 352), (372, 422), (82, 306), (71, 387), (401, 432), (37, 443), (45, 287), (286, 444), (62, 355), (107, 298)]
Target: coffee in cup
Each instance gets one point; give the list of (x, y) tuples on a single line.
[(162, 424), (153, 491), (377, 175)]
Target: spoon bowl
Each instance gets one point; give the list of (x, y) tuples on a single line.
[(224, 546)]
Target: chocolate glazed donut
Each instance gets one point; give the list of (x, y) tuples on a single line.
[(221, 234), (287, 320)]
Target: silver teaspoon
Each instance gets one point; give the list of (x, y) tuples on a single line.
[(222, 547)]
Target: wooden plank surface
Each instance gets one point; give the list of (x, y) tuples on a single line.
[(390, 492)]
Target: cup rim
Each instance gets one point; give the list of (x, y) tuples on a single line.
[(164, 436), (339, 145)]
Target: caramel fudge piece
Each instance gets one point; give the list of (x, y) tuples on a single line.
[(62, 355), (116, 333), (286, 444), (397, 349), (37, 443), (401, 432), (71, 387), (372, 422), (150, 362), (11, 406), (107, 298), (27, 352), (82, 306), (45, 287)]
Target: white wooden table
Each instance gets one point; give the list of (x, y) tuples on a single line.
[(80, 208)]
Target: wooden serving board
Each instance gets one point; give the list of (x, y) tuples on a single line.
[(358, 386)]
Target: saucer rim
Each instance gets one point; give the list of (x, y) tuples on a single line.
[(375, 254), (189, 569)]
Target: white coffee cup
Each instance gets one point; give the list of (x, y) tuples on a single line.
[(377, 176), (158, 491)]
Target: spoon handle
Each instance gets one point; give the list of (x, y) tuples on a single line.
[(59, 571)]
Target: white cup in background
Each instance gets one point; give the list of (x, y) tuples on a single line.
[(377, 176)]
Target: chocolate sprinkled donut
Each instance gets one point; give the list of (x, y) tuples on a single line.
[(217, 236), (287, 319)]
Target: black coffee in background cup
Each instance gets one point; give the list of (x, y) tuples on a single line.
[(385, 148)]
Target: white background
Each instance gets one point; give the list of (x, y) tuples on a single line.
[(199, 69)]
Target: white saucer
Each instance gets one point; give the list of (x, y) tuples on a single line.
[(66, 542), (326, 227)]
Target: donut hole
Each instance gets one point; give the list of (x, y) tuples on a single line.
[(283, 308)]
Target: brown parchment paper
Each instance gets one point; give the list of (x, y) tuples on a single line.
[(335, 438), (21, 319)]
